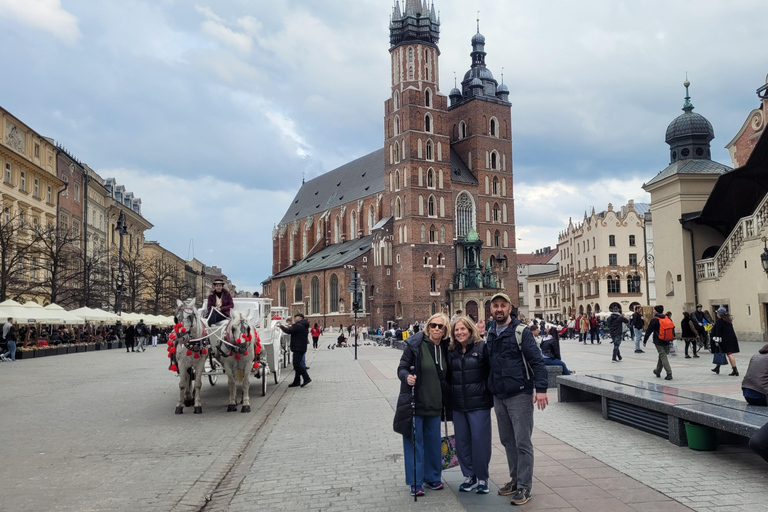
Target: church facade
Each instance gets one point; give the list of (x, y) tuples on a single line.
[(428, 220)]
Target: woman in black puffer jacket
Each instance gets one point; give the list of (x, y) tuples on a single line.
[(471, 403)]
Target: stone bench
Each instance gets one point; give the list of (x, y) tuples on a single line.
[(661, 409), (552, 373)]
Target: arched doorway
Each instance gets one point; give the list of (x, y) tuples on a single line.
[(472, 310), (633, 306), (597, 308), (615, 306), (581, 310), (589, 308)]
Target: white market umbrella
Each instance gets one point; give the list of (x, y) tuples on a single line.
[(94, 315), (44, 316), (20, 314), (67, 317)]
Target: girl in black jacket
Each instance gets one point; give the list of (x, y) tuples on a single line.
[(550, 350), (471, 403)]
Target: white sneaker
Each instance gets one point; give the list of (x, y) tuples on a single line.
[(3, 358)]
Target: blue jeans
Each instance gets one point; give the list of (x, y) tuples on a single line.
[(557, 362), (11, 350), (638, 338), (616, 345), (429, 460), (514, 416), (473, 442)]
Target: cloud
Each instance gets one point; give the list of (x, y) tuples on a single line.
[(46, 15)]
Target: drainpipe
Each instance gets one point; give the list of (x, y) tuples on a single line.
[(645, 255), (693, 258)]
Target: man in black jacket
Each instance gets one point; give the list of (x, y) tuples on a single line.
[(637, 323), (617, 321), (299, 332), (516, 369), (662, 347)]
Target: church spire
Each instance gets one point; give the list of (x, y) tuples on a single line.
[(687, 106), (417, 22)]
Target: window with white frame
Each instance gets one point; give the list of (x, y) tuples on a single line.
[(37, 188), (429, 153), (465, 215), (23, 181), (8, 174)]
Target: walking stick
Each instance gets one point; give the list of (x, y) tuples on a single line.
[(413, 431)]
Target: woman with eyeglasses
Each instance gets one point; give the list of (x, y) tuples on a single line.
[(471, 403), (423, 367)]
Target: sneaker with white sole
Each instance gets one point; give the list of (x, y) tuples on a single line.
[(508, 488), (468, 484), (521, 497), (435, 486), (482, 487)]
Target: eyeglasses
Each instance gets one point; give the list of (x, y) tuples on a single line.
[(436, 326)]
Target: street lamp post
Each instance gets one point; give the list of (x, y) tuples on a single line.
[(122, 231)]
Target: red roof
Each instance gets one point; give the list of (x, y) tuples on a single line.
[(536, 259)]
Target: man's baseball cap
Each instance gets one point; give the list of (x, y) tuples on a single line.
[(501, 295)]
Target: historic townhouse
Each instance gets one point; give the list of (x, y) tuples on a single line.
[(602, 261), (428, 220)]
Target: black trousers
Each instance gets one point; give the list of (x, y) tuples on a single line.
[(759, 442), (301, 372)]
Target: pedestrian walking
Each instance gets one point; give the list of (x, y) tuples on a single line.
[(637, 322), (471, 403), (662, 329), (755, 383), (616, 323), (724, 336), (583, 328), (9, 335), (155, 332), (689, 334), (130, 338), (141, 335), (516, 369), (422, 372), (315, 335), (594, 329), (299, 332), (571, 326)]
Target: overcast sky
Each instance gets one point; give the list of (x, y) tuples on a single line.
[(211, 112)]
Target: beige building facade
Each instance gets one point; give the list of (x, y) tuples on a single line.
[(544, 290), (602, 261)]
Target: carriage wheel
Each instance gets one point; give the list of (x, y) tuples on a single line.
[(264, 380), (210, 369)]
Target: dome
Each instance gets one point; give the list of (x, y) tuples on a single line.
[(502, 88), (478, 39), (476, 82), (478, 72), (454, 92), (689, 125)]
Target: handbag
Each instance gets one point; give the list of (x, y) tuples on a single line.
[(719, 359), (448, 449)]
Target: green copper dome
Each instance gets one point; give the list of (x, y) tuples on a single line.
[(472, 236)]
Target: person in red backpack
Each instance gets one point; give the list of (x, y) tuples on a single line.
[(315, 333), (663, 330)]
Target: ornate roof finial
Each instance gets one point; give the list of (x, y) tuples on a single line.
[(502, 74), (455, 83), (687, 106)]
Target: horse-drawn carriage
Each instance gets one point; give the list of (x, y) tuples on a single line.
[(248, 343)]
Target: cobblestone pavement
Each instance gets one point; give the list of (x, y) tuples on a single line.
[(96, 431)]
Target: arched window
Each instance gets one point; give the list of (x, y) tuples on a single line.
[(496, 213), (423, 233), (298, 295), (318, 233), (442, 234), (398, 209), (432, 234), (433, 283), (434, 307), (353, 225), (333, 293), (337, 233), (397, 152), (315, 296), (495, 189), (396, 98), (431, 210), (371, 218), (440, 259), (465, 215), (462, 130), (494, 160), (494, 127), (429, 150), (282, 299), (428, 94), (497, 239), (430, 178), (397, 125), (397, 180), (426, 258), (428, 123)]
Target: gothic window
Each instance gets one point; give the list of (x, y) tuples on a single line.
[(430, 178), (397, 125), (282, 299), (433, 283), (442, 234), (462, 130), (398, 209), (371, 218), (353, 225), (397, 180), (318, 232), (495, 190), (334, 294), (496, 213), (429, 150), (497, 239), (431, 210), (423, 233), (410, 72), (426, 258), (428, 93), (440, 259), (337, 231), (428, 123), (397, 152), (432, 234), (315, 295), (614, 285), (396, 96), (298, 295), (428, 75), (494, 128), (465, 215), (494, 160)]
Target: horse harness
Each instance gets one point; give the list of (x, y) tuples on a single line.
[(236, 348)]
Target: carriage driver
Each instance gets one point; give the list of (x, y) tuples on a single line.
[(221, 300)]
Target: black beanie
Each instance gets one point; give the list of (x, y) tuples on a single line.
[(659, 309)]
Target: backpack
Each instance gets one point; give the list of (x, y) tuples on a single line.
[(666, 329), (519, 338)]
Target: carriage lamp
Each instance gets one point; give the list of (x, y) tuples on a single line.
[(764, 256)]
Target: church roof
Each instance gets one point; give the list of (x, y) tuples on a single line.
[(329, 257), (352, 181), (703, 166), (355, 180)]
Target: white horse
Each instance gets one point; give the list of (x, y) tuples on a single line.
[(235, 350), (188, 348)]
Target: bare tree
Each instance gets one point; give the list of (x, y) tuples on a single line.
[(94, 288), (17, 243), (58, 264), (160, 278), (133, 278)]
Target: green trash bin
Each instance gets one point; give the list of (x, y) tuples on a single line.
[(700, 437)]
